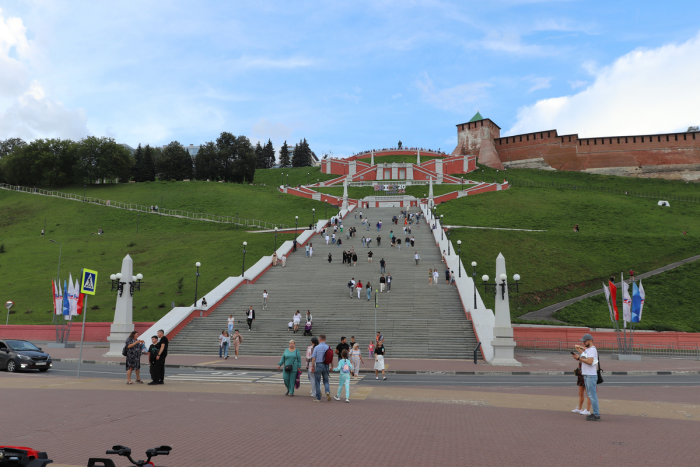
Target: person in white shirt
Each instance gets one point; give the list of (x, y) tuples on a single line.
[(283, 258), (589, 368), (296, 319), (264, 299), (224, 342), (417, 258), (327, 239), (436, 275), (230, 324)]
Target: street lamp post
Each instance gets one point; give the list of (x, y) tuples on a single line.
[(196, 282), (313, 214), (244, 245), (282, 174), (459, 265), (296, 225), (448, 243), (307, 178), (276, 238), (482, 175), (84, 188), (474, 280), (326, 210), (442, 229)]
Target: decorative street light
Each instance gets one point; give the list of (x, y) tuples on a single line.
[(502, 278), (448, 243), (296, 225), (118, 285), (313, 218), (196, 282), (244, 245), (459, 265), (276, 238), (442, 229), (474, 280), (307, 177), (282, 174), (326, 209), (482, 175)]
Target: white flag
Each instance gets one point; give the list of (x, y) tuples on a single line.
[(641, 294), (58, 298), (607, 300), (626, 303), (72, 297)]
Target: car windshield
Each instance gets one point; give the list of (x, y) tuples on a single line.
[(21, 345)]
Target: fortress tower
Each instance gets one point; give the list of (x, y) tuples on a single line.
[(476, 137)]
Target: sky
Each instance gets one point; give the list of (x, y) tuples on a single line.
[(347, 76)]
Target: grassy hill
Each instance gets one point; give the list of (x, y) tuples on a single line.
[(618, 233), (164, 250)]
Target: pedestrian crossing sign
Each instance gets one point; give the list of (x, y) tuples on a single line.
[(88, 282)]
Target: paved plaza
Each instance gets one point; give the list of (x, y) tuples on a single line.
[(245, 423)]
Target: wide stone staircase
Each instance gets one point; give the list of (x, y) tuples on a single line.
[(417, 320)]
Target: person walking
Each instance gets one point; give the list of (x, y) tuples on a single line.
[(356, 358), (236, 339), (379, 240), (133, 357), (345, 256), (382, 283), (368, 287), (388, 283), (369, 256), (264, 299), (345, 368), (447, 276), (430, 276), (351, 286), (330, 258), (231, 322), (309, 354), (311, 250), (225, 343), (160, 357), (581, 391), (382, 266), (306, 248), (364, 242), (296, 319), (320, 368), (416, 257), (333, 239), (354, 259), (222, 338), (413, 242), (436, 276), (359, 288), (589, 367), (153, 366), (379, 360), (283, 259), (250, 317), (398, 243), (291, 362), (370, 349)]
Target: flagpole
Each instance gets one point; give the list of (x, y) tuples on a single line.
[(82, 334), (624, 327)]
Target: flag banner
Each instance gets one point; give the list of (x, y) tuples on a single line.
[(72, 296), (642, 295), (607, 300), (613, 300), (65, 304), (58, 299), (53, 290), (626, 303), (81, 302), (636, 303)]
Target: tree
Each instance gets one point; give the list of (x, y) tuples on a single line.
[(269, 155), (237, 159), (8, 146), (284, 156), (102, 159), (206, 162), (42, 162), (693, 128), (149, 164), (302, 155), (260, 156), (175, 163)]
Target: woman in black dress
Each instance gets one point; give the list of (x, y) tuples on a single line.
[(133, 357), (330, 258), (345, 256)]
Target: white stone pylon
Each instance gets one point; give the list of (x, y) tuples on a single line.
[(431, 203), (345, 194), (503, 342), (372, 161), (123, 312), (418, 161)]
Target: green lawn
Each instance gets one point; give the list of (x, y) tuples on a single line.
[(670, 303), (618, 233), (164, 250), (357, 192), (292, 176)]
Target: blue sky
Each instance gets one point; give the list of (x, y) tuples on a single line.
[(348, 76)]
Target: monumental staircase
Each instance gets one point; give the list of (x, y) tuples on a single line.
[(417, 320)]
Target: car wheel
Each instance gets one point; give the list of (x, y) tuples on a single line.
[(43, 370), (11, 366)]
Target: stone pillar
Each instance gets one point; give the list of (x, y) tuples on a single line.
[(394, 171), (418, 160), (345, 193), (123, 312), (503, 342), (431, 202), (371, 162), (352, 170)]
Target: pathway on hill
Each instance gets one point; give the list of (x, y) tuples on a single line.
[(418, 320), (547, 313)]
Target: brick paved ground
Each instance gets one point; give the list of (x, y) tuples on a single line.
[(531, 362), (255, 425)]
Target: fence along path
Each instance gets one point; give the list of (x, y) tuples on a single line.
[(196, 216)]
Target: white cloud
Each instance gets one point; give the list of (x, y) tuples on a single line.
[(645, 91), (538, 83), (26, 111), (577, 84), (246, 62), (452, 98)]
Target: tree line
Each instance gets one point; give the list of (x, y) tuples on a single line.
[(94, 159)]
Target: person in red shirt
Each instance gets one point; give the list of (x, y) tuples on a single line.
[(359, 288), (632, 275)]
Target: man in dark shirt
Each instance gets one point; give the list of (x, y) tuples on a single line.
[(379, 240), (160, 357), (382, 283), (340, 347), (382, 266), (152, 352)]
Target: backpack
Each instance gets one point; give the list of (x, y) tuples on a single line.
[(328, 358), (349, 283), (124, 351), (345, 368)]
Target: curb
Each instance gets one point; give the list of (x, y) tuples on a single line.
[(408, 372)]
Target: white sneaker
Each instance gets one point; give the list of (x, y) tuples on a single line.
[(376, 377), (236, 358), (584, 412), (347, 400), (336, 398), (576, 410)]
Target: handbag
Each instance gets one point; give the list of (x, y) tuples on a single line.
[(600, 375), (288, 368), (297, 383)]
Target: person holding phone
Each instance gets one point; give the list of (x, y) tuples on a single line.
[(133, 357), (581, 390), (589, 367)]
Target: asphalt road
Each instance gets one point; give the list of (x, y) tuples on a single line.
[(224, 377)]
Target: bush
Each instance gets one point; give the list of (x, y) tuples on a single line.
[(162, 305), (132, 244), (2, 248)]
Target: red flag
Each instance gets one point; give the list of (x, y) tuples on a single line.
[(81, 301), (613, 299)]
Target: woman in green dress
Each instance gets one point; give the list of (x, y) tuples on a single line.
[(290, 362)]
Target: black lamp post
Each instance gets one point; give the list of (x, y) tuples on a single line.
[(502, 285), (442, 229), (276, 238), (448, 243), (244, 245), (296, 225), (313, 216), (459, 249), (482, 175), (307, 177), (326, 209), (196, 281), (474, 280)]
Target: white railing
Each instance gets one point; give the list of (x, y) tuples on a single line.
[(198, 216)]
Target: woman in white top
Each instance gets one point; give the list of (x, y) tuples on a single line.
[(264, 299), (356, 358), (230, 324), (436, 275), (297, 320), (224, 341), (311, 250)]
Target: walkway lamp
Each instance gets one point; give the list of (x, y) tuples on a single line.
[(244, 245), (276, 238), (196, 281), (459, 265), (474, 280), (448, 243), (313, 214), (442, 229), (296, 225)]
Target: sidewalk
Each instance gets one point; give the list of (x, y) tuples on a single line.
[(533, 363)]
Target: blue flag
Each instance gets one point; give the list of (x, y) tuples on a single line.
[(66, 303), (636, 303)]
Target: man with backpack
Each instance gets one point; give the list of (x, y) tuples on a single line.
[(321, 359)]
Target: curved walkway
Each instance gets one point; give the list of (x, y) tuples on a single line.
[(547, 313)]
